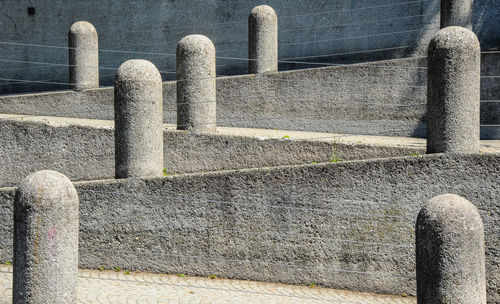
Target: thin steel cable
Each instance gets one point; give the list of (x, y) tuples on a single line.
[(36, 81), (347, 38), (235, 58), (216, 39), (245, 20), (353, 9), (348, 53), (173, 55), (55, 64), (181, 80), (24, 68), (354, 23)]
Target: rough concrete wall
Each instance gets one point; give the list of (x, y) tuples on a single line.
[(84, 152), (344, 225), (308, 29), (380, 98)]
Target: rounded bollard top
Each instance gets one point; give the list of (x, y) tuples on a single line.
[(47, 187), (138, 70), (263, 11), (454, 37), (195, 44), (450, 212), (82, 28)]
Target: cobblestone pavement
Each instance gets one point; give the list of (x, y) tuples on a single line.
[(138, 287)]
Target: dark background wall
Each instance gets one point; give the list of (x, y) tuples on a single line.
[(310, 30)]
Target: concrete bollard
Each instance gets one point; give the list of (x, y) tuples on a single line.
[(450, 252), (138, 120), (453, 92), (456, 13), (45, 240), (196, 84), (83, 56), (262, 40)]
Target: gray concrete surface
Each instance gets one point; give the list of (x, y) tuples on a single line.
[(138, 121), (46, 222), (450, 252), (307, 28), (196, 85), (110, 287), (457, 13), (84, 149), (384, 98), (262, 40), (83, 49), (347, 225), (453, 92)]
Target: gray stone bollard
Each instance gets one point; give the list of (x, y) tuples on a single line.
[(262, 40), (196, 84), (138, 120), (45, 240), (456, 13), (450, 252), (83, 56), (453, 92)]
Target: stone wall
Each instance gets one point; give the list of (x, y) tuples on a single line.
[(309, 31), (346, 225), (84, 149), (382, 98)]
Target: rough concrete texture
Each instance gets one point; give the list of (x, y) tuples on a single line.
[(138, 120), (450, 252), (457, 13), (453, 92), (196, 84), (386, 97), (262, 40), (348, 225), (84, 149), (45, 240), (394, 29), (83, 56)]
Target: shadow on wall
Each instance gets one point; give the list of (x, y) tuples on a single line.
[(331, 31)]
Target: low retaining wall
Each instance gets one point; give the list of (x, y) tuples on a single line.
[(84, 149), (343, 225), (384, 98)]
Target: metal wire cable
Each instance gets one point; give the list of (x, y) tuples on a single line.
[(354, 9), (48, 64), (239, 36), (167, 72), (348, 53), (377, 21), (245, 20), (347, 38)]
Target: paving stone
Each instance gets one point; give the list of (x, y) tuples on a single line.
[(137, 287)]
